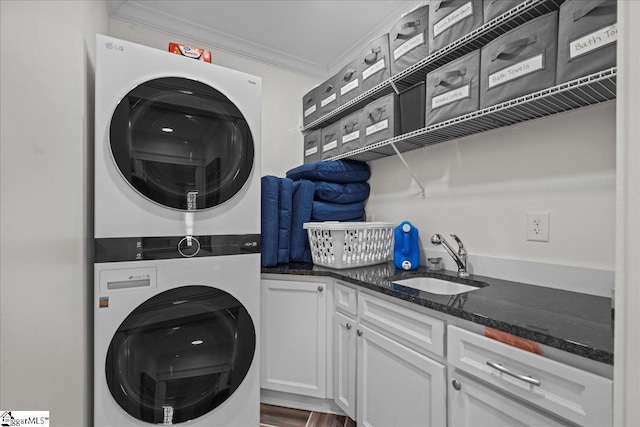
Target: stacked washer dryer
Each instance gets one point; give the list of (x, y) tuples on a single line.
[(177, 240)]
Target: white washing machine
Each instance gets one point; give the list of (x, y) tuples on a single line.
[(177, 145), (176, 342), (177, 240)]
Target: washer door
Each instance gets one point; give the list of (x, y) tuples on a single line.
[(181, 143), (180, 354)]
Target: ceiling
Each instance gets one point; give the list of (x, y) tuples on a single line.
[(308, 36)]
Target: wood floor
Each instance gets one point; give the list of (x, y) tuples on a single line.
[(277, 416)]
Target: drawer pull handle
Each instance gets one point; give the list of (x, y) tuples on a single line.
[(348, 326), (359, 333), (524, 378), (320, 289)]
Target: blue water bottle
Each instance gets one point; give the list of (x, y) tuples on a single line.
[(406, 251)]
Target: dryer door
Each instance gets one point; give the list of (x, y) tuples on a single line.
[(180, 354), (181, 143)]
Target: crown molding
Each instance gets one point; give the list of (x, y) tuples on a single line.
[(138, 13)]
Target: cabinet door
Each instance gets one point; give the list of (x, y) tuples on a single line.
[(397, 386), (344, 363), (472, 404), (294, 337)]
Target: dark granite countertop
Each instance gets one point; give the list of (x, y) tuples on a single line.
[(573, 322)]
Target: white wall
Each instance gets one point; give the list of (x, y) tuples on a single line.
[(481, 187), (46, 115), (282, 93), (627, 334)]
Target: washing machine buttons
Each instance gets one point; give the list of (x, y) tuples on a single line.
[(189, 246)]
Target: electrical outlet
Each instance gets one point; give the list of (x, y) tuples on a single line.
[(538, 226)]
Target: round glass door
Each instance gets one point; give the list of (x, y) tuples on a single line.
[(180, 354), (181, 143)]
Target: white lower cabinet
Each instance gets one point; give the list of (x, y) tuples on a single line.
[(568, 393), (472, 403), (385, 364), (379, 381), (397, 386), (294, 337), (345, 348)]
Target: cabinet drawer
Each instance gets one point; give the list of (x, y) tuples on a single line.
[(344, 299), (413, 328), (575, 395)]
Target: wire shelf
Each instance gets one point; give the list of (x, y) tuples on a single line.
[(474, 40), (582, 92)]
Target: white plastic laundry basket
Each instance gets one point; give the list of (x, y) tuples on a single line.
[(350, 244)]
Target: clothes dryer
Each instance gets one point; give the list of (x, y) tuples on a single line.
[(175, 341), (177, 145)]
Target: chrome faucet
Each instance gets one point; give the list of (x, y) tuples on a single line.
[(460, 258)]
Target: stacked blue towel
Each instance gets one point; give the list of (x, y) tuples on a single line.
[(333, 190), (341, 189), (286, 205)]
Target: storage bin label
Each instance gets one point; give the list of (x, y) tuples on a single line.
[(378, 66), (451, 96), (310, 110), (328, 100), (349, 87), (351, 136), (384, 124), (453, 18), (311, 151), (405, 47), (514, 71), (330, 146), (596, 40)]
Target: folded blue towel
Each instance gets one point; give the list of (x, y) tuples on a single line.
[(332, 171), (324, 211), (269, 220), (299, 251), (334, 192), (285, 207)]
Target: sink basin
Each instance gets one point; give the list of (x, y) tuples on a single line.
[(436, 286)]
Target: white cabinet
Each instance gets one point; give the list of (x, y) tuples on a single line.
[(344, 363), (378, 379), (566, 392), (294, 336), (385, 363), (473, 404), (397, 386)]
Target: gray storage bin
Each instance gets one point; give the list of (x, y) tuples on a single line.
[(374, 63), (587, 35), (312, 151), (409, 39), (327, 96), (350, 131), (381, 119), (329, 141), (453, 89), (348, 81), (520, 61), (412, 108), (310, 107), (495, 8), (451, 19)]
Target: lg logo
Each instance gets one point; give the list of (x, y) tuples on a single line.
[(116, 47)]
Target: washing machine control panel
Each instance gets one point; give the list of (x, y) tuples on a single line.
[(170, 247)]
